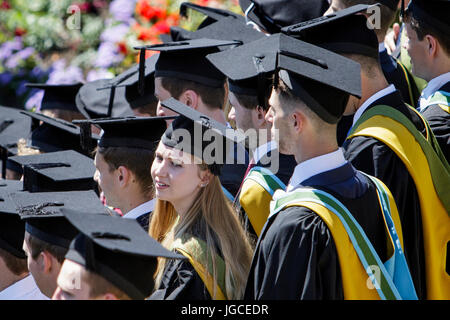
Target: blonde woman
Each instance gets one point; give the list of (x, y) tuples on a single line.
[(193, 217)]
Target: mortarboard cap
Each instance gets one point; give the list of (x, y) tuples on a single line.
[(272, 15), (392, 4), (301, 60), (57, 96), (132, 132), (129, 79), (118, 250), (432, 12), (57, 135), (93, 102), (13, 126), (42, 213), (12, 229), (186, 60), (224, 29), (344, 31), (57, 171), (207, 139)]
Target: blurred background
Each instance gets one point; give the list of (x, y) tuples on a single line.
[(67, 41)]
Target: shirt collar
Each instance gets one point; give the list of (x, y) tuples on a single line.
[(262, 150), (372, 99), (144, 208), (314, 166), (24, 289), (432, 87)]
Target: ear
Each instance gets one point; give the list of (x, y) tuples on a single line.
[(109, 296), (260, 116), (205, 178), (432, 45), (190, 98), (45, 261), (123, 175), (298, 121)]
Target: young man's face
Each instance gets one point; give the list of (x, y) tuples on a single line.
[(417, 50), (107, 180), (162, 94), (335, 5), (239, 114), (35, 267), (70, 283), (281, 126)]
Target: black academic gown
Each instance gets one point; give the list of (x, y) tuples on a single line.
[(180, 281), (144, 220), (296, 257), (396, 75), (286, 168), (377, 159), (439, 121), (232, 174)]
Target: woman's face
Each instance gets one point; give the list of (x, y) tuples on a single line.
[(176, 177)]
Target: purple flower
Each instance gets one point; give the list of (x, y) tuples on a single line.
[(21, 89), (14, 60), (107, 55), (60, 74), (122, 10), (35, 100), (5, 78), (114, 34), (97, 74), (7, 48)]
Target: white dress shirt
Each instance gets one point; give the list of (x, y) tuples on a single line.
[(314, 166), (371, 100), (144, 208), (25, 289), (431, 88)]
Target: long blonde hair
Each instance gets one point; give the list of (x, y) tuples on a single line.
[(223, 228)]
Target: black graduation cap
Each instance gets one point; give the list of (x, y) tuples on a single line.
[(13, 126), (186, 60), (392, 4), (272, 15), (344, 31), (42, 213), (433, 12), (211, 146), (132, 132), (12, 228), (94, 101), (58, 96), (118, 250), (57, 134), (212, 14), (130, 80), (281, 52), (57, 171), (224, 29)]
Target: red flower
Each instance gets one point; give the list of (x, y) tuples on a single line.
[(19, 32), (5, 5), (123, 48), (162, 27)]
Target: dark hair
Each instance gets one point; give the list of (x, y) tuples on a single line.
[(136, 160), (422, 28), (214, 98), (37, 246), (387, 15), (333, 97), (149, 108), (14, 264), (99, 285)]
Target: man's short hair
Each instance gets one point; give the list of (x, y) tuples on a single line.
[(422, 28), (136, 160), (37, 246), (387, 15), (213, 98), (16, 265), (99, 285), (149, 109)]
